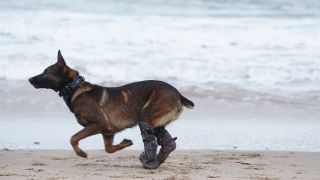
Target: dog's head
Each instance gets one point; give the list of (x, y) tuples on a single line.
[(55, 76)]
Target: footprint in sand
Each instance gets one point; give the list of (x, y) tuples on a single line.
[(213, 177), (251, 155), (252, 166), (37, 163)]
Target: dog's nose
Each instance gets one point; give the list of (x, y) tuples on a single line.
[(31, 79)]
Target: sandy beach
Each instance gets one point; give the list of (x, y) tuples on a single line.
[(202, 164)]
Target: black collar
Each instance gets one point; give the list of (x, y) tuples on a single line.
[(70, 87)]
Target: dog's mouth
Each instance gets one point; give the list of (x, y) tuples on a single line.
[(35, 85)]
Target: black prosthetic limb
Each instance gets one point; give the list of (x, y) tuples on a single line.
[(150, 146), (166, 142)]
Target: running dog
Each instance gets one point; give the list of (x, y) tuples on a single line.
[(107, 110)]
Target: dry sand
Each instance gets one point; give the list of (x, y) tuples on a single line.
[(191, 164)]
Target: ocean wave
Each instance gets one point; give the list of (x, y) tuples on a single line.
[(191, 43)]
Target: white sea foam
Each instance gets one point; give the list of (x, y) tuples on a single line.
[(260, 45)]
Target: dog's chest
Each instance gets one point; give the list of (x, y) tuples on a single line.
[(82, 121)]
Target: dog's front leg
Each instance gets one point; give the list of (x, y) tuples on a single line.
[(110, 148), (89, 130)]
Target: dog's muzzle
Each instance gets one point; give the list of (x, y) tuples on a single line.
[(33, 81)]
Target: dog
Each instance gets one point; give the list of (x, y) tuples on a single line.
[(102, 110)]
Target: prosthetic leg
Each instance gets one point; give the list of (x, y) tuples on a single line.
[(150, 146), (166, 142)]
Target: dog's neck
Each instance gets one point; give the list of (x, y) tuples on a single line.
[(66, 91)]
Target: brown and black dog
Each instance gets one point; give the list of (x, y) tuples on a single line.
[(107, 110)]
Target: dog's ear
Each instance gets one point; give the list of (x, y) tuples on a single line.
[(61, 61), (62, 64)]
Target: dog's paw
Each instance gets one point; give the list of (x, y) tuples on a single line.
[(126, 142), (82, 154)]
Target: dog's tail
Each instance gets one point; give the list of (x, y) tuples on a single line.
[(186, 102)]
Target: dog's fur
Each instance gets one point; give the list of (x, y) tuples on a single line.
[(108, 110)]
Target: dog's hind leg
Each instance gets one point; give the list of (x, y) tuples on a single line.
[(166, 142), (89, 130), (110, 148)]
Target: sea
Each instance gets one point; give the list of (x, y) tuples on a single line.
[(268, 47), (255, 44)]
